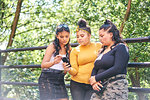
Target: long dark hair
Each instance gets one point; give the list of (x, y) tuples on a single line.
[(61, 28), (110, 27)]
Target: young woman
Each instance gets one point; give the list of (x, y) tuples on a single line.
[(82, 61), (110, 66), (51, 81)]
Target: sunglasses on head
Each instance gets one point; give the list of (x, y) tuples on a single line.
[(62, 26)]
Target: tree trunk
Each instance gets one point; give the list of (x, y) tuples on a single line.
[(126, 16), (2, 13), (13, 28), (14, 24)]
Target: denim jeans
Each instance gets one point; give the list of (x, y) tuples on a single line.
[(81, 91)]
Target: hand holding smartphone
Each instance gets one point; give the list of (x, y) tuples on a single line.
[(64, 59), (57, 59)]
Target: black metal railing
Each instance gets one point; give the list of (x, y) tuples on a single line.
[(133, 64)]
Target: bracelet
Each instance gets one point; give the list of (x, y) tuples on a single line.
[(93, 84)]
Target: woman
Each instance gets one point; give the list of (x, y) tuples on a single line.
[(82, 61), (51, 81), (110, 66)]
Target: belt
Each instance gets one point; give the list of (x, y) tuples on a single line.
[(52, 70), (114, 78)]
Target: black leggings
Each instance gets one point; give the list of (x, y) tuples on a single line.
[(80, 91)]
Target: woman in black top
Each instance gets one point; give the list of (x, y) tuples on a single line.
[(108, 77)]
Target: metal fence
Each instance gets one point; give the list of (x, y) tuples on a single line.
[(134, 64)]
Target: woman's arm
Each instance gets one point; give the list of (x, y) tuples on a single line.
[(46, 60), (94, 72), (92, 79), (74, 62), (121, 60)]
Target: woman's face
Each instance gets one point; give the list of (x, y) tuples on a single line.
[(63, 37), (105, 37), (83, 37)]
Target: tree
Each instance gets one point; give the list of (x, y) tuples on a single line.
[(36, 27), (13, 27)]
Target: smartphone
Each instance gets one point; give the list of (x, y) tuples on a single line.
[(64, 59)]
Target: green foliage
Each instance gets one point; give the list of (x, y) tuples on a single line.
[(37, 24)]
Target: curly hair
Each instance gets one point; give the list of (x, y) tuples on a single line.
[(61, 28)]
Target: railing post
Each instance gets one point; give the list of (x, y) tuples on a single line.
[(0, 74)]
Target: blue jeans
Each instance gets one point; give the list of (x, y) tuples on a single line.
[(81, 91)]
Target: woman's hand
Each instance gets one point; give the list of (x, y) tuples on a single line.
[(66, 66), (57, 59), (92, 80), (97, 86)]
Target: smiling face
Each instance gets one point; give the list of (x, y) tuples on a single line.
[(63, 37), (83, 37), (105, 37)]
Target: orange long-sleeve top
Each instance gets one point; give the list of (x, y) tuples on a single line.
[(82, 60)]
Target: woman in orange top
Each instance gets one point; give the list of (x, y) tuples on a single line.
[(82, 62)]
